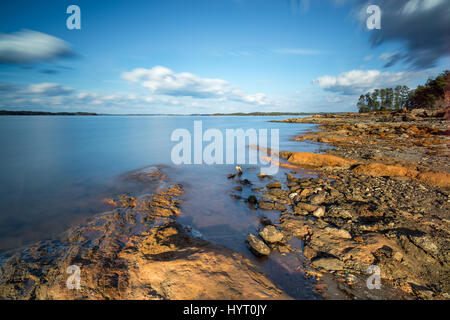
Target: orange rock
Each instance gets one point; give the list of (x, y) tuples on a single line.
[(379, 169), (310, 159), (439, 179)]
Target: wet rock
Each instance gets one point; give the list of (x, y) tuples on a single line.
[(245, 182), (252, 199), (231, 176), (265, 205), (276, 192), (270, 234), (238, 188), (265, 221), (329, 264), (257, 245), (273, 185), (279, 206)]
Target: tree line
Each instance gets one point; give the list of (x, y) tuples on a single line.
[(424, 96), (384, 99)]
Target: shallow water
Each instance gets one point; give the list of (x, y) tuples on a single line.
[(55, 171)]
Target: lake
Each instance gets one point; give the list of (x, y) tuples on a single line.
[(55, 170)]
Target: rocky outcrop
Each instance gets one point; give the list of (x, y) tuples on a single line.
[(135, 251)]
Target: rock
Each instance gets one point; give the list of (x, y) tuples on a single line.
[(231, 176), (319, 212), (276, 192), (279, 206), (270, 234), (306, 206), (273, 185), (335, 211), (252, 199), (398, 256), (426, 243), (305, 193), (238, 188), (239, 170), (318, 198), (265, 205), (245, 182), (293, 195), (265, 221), (339, 233), (290, 177), (330, 264), (257, 245)]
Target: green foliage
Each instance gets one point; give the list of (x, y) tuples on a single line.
[(424, 96), (432, 92), (383, 99)]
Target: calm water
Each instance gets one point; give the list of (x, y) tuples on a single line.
[(54, 172)]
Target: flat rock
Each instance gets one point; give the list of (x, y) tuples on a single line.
[(330, 264), (274, 185)]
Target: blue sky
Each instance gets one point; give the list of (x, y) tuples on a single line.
[(206, 56)]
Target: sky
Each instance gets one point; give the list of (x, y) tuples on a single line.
[(207, 56)]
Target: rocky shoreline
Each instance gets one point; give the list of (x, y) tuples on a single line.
[(136, 251), (381, 198)]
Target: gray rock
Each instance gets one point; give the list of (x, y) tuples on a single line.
[(270, 234), (257, 245), (318, 198)]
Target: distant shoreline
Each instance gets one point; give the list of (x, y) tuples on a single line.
[(45, 113)]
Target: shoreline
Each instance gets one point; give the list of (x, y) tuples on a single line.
[(343, 228), (382, 199)]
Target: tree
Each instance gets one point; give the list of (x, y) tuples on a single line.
[(431, 93), (375, 104), (397, 99), (389, 99), (382, 99), (362, 105)]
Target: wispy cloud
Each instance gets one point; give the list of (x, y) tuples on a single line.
[(360, 81), (420, 27), (29, 46)]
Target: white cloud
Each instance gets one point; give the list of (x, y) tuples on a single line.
[(163, 81), (49, 89), (360, 81), (29, 46)]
